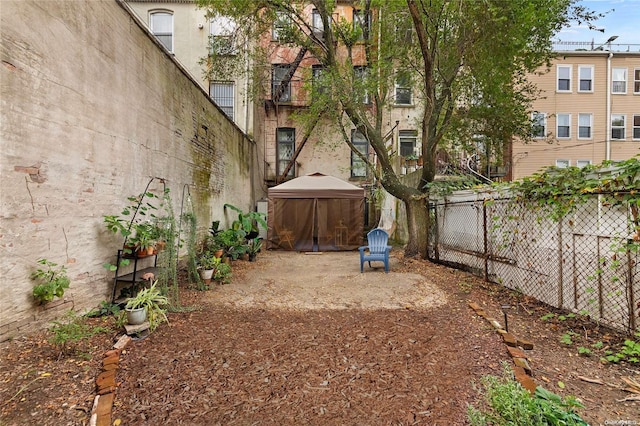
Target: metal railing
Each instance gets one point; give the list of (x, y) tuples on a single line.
[(587, 263)]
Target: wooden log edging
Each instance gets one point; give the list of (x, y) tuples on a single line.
[(515, 347), (106, 384)]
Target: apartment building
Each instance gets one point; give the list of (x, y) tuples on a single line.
[(285, 150), (588, 111), (185, 32)]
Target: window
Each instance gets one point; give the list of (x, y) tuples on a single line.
[(362, 22), (563, 125), (280, 27), (319, 86), (584, 126), (162, 27), (636, 127), (403, 89), (585, 76), (221, 30), (564, 78), (408, 140), (582, 163), (286, 138), (636, 81), (360, 83), (619, 80), (539, 125), (403, 28), (317, 25), (617, 126), (563, 164), (358, 166), (280, 92), (222, 94)]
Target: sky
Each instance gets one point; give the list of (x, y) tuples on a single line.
[(623, 21)]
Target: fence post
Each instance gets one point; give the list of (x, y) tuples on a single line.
[(486, 243), (560, 269), (631, 299)]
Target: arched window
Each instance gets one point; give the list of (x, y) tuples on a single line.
[(161, 24)]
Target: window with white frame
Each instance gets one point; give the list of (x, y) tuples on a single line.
[(619, 80), (222, 30), (161, 23), (403, 89), (584, 125), (563, 164), (286, 137), (585, 78), (222, 93), (358, 165), (636, 127), (617, 126), (563, 125), (564, 78), (582, 163), (539, 125), (281, 25), (408, 140), (316, 24), (636, 81), (278, 75)]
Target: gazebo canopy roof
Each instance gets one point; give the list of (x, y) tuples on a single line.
[(316, 185)]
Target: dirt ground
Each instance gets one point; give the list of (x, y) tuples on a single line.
[(306, 339)]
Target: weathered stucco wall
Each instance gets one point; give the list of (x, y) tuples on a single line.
[(92, 109)]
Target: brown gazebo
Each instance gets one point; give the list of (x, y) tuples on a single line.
[(315, 212)]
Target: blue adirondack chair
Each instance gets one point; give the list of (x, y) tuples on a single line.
[(378, 250)]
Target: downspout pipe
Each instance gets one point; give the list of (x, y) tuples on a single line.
[(607, 139)]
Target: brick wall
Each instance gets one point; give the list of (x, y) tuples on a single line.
[(92, 110)]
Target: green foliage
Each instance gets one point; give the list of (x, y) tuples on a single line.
[(222, 273), (232, 241), (106, 308), (511, 404), (153, 301), (255, 245), (248, 222), (52, 281), (207, 260), (70, 330), (567, 338), (547, 316), (584, 351), (629, 352)]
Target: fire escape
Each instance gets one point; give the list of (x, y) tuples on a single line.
[(277, 95)]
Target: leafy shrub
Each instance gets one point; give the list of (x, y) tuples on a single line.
[(70, 330), (511, 404), (53, 281)]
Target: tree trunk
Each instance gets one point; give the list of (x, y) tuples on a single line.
[(417, 226)]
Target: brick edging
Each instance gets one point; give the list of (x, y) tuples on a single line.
[(106, 385), (515, 347)]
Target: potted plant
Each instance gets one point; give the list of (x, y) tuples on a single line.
[(147, 305), (207, 263), (144, 239), (411, 160), (53, 281), (248, 222), (254, 248), (232, 241)]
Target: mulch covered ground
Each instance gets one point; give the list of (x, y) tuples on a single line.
[(220, 364)]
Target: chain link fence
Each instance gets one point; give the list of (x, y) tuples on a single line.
[(587, 263)]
